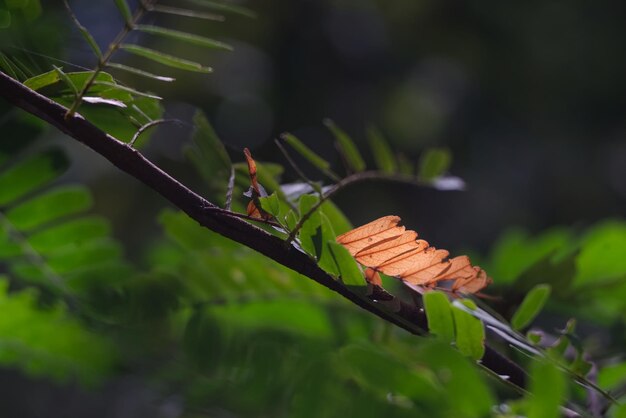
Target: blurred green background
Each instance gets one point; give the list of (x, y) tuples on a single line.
[(529, 98)]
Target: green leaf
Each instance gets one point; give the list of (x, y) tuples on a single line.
[(124, 11), (439, 314), (72, 233), (346, 147), (611, 376), (224, 7), (306, 152), (602, 253), (338, 220), (530, 306), (315, 235), (139, 72), (469, 331), (184, 37), (382, 153), (347, 266), (31, 174), (47, 207), (516, 252), (547, 390), (51, 78), (165, 59), (271, 204), (434, 162)]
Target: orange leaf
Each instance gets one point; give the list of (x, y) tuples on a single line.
[(385, 246)]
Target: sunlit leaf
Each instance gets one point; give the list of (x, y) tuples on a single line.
[(349, 270), (439, 314), (165, 59), (101, 100), (271, 204), (531, 306), (469, 331), (315, 234)]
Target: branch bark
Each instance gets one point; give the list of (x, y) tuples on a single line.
[(129, 160)]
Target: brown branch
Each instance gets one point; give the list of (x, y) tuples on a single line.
[(129, 160)]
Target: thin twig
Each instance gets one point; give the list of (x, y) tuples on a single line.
[(148, 126)]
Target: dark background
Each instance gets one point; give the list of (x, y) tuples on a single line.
[(530, 99)]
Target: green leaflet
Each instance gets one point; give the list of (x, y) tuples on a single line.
[(439, 314), (530, 306), (165, 59), (124, 9), (184, 37), (383, 156), (469, 331), (434, 163), (315, 235), (306, 152), (140, 72), (31, 174), (347, 147), (349, 270)]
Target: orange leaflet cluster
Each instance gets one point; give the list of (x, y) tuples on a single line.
[(386, 247)]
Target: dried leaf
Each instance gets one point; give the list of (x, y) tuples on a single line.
[(385, 246), (256, 191)]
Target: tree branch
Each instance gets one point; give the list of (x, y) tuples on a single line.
[(129, 160)]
